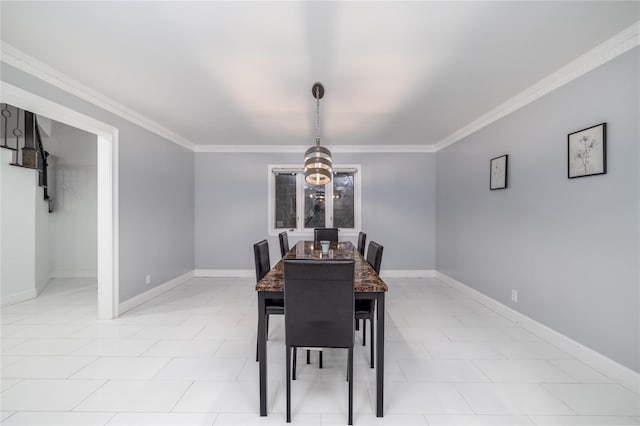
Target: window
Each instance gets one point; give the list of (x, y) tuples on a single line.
[(298, 207)]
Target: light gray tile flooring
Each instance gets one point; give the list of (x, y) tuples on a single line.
[(187, 357)]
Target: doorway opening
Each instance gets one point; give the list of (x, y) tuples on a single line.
[(107, 187)]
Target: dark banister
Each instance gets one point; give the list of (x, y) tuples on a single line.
[(43, 163), (29, 152)]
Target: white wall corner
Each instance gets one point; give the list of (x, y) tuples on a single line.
[(610, 368), (224, 273), (40, 286), (138, 300)]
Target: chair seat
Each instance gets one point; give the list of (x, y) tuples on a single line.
[(274, 306), (364, 308)]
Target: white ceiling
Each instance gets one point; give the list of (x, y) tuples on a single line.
[(241, 73)]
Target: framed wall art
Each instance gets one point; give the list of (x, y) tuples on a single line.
[(587, 150), (498, 170)]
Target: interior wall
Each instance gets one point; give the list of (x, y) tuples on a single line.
[(568, 246), (73, 241), (18, 206), (231, 202), (155, 193)]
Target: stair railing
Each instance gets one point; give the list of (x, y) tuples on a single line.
[(27, 144)]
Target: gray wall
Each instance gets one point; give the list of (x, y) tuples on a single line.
[(398, 207), (156, 193), (570, 247), (73, 236)]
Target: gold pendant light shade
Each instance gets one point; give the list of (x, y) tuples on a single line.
[(317, 159)]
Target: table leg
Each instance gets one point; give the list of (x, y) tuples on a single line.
[(380, 356), (262, 352)]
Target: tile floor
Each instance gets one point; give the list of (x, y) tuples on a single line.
[(187, 357)]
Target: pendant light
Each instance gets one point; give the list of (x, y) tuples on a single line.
[(317, 159)]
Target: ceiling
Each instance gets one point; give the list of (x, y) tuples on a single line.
[(240, 73)]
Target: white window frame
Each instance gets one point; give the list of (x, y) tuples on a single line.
[(300, 231)]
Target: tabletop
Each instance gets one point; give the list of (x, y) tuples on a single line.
[(366, 279)]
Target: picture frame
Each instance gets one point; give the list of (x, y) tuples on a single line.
[(498, 168), (587, 152)]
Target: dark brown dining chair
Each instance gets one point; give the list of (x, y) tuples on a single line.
[(319, 306), (263, 265), (325, 234), (284, 243), (365, 309), (362, 239)]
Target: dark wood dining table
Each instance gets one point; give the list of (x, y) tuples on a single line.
[(367, 285)]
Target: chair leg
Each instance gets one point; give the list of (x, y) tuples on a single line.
[(257, 344), (267, 333), (371, 342), (320, 359), (308, 356), (288, 361), (350, 369), (364, 332), (295, 361), (357, 324)]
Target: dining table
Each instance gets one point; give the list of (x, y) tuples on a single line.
[(367, 286)]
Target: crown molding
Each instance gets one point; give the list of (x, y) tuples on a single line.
[(599, 55), (300, 149), (33, 66)]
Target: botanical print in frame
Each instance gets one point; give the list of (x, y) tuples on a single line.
[(498, 168), (588, 151)]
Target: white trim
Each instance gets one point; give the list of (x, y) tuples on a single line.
[(408, 273), (602, 53), (19, 297), (300, 149), (224, 273), (138, 300), (33, 66), (618, 372), (73, 274), (108, 224)]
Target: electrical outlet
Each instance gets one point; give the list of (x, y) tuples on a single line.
[(514, 296), (148, 279)]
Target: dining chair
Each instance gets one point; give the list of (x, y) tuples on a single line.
[(364, 309), (362, 239), (319, 302), (284, 243), (325, 234), (263, 265)]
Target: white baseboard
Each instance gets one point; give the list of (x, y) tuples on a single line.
[(138, 300), (408, 273), (225, 273), (12, 299), (617, 372), (74, 274)]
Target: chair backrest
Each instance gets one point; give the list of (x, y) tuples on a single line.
[(325, 234), (319, 303), (284, 243), (374, 255), (261, 256), (362, 239)]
